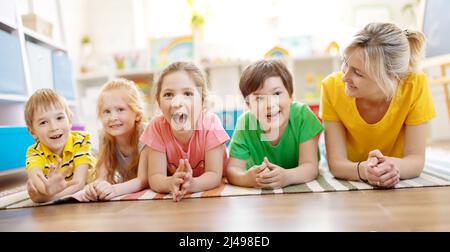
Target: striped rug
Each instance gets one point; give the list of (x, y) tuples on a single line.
[(436, 173)]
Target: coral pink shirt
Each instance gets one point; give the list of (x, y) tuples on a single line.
[(210, 134)]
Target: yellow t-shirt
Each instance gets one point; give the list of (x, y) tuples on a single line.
[(411, 105), (77, 151)]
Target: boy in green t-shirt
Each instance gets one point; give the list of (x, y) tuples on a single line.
[(274, 144)]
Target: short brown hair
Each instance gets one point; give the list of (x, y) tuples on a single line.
[(41, 99), (255, 74)]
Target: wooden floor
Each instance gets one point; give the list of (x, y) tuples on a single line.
[(414, 209)]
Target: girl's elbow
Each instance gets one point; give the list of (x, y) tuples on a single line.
[(142, 183)]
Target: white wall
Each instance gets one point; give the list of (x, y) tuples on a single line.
[(110, 25)]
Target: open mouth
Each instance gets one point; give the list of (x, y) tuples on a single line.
[(55, 137), (273, 116), (179, 118)]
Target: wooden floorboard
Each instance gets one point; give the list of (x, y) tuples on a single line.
[(413, 209)]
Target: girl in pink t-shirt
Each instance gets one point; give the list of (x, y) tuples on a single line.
[(185, 145)]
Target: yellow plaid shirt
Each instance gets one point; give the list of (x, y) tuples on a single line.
[(77, 151)]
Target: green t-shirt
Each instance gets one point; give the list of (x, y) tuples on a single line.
[(247, 143)]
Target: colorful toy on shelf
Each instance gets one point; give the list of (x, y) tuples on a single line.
[(277, 52), (333, 48), (312, 90), (120, 61)]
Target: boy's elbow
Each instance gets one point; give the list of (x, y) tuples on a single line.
[(313, 174)]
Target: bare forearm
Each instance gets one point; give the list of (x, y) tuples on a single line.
[(302, 174), (409, 166), (206, 181), (238, 176), (345, 169), (68, 191), (160, 183), (129, 186)]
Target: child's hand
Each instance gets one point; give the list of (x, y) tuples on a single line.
[(274, 178), (186, 185), (177, 180), (253, 173), (105, 190), (90, 194), (55, 181), (34, 194)]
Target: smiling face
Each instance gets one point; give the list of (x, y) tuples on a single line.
[(51, 126), (357, 82), (270, 104), (117, 117), (180, 101)]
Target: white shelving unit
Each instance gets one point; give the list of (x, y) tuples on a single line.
[(28, 61), (38, 57)]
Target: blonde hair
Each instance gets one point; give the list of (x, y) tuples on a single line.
[(41, 100), (107, 155), (389, 53), (191, 70)]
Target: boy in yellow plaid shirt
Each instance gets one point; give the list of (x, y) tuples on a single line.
[(60, 163)]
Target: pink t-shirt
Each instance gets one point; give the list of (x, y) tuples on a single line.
[(210, 134)]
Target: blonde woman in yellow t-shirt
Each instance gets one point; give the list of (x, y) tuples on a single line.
[(376, 109)]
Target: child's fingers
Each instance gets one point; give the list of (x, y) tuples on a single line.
[(88, 196), (51, 170), (85, 197), (66, 171), (265, 181), (43, 178), (109, 196), (266, 161), (104, 191), (31, 187), (90, 191), (58, 163), (175, 193), (187, 165), (185, 187), (181, 165), (272, 185), (179, 196), (269, 174)]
